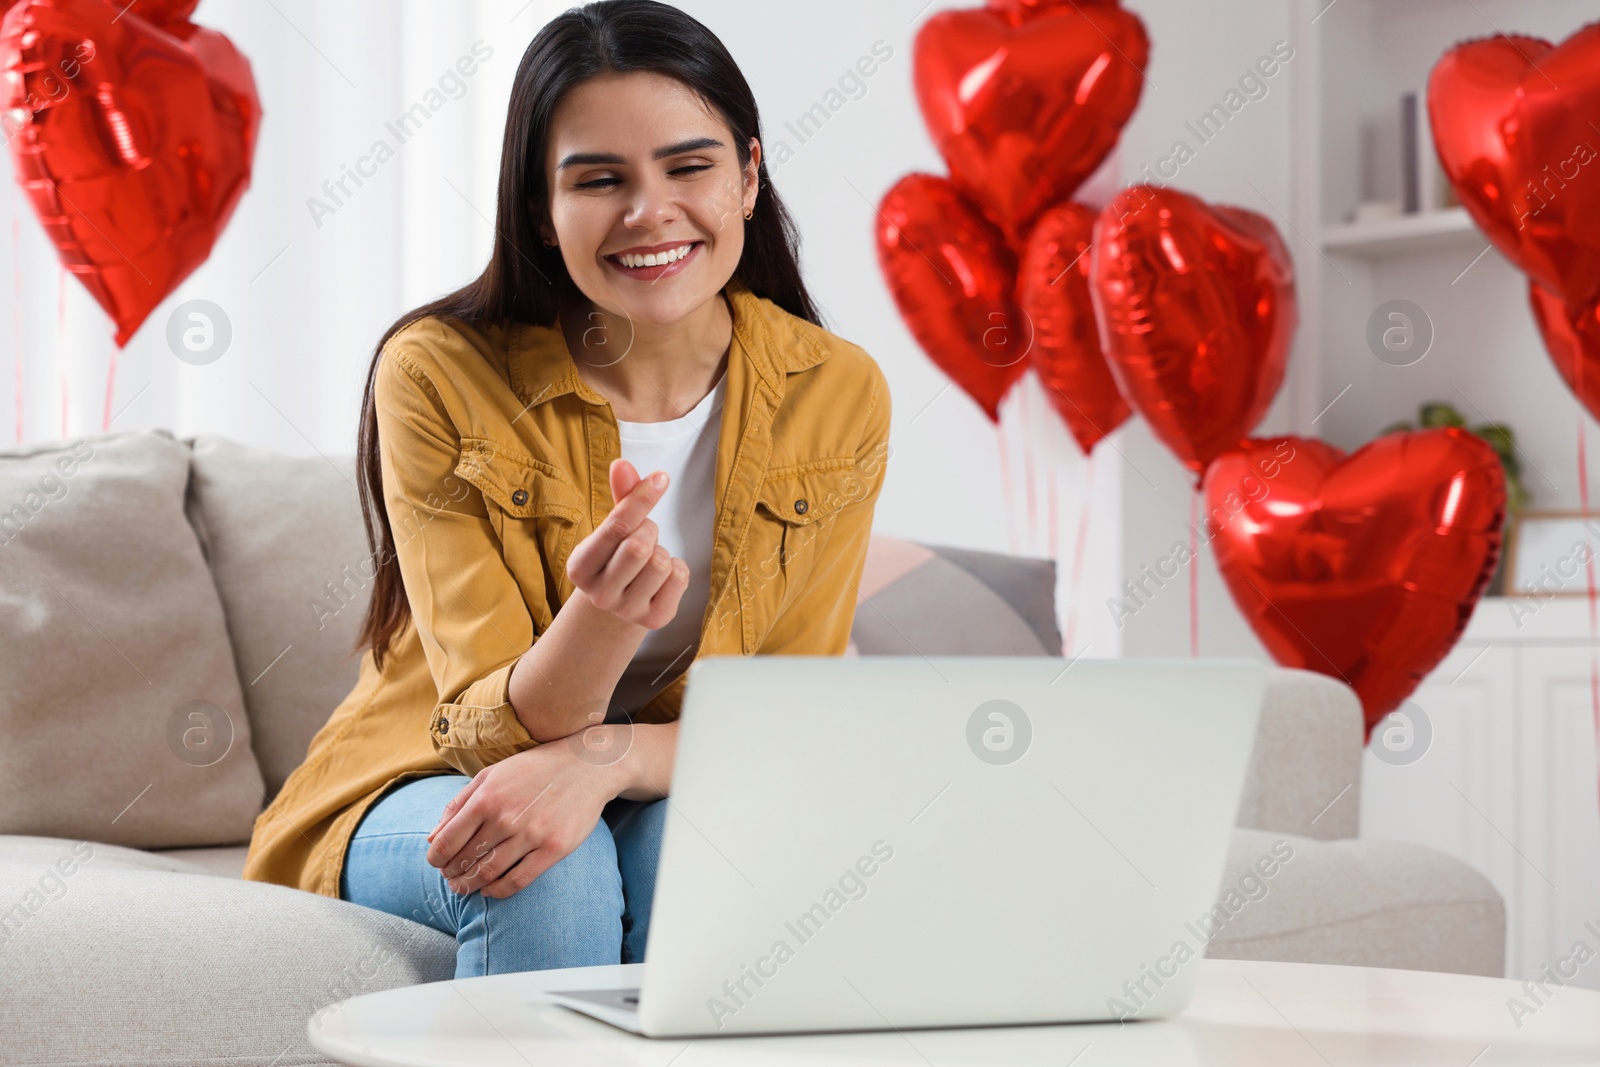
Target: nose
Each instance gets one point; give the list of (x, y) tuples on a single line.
[(652, 204)]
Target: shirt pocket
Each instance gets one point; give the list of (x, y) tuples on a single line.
[(533, 508), (794, 507)]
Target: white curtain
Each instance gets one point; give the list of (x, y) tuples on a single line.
[(317, 259)]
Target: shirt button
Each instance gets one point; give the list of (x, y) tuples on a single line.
[(520, 497), (444, 726), (800, 506)]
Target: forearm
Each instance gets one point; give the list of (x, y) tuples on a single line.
[(566, 680), (644, 771)]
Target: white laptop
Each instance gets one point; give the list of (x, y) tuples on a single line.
[(896, 842)]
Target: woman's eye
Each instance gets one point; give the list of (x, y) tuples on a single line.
[(601, 183)]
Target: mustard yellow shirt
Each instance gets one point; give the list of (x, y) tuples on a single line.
[(495, 460)]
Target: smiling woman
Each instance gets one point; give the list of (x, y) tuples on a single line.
[(499, 769), (669, 172)]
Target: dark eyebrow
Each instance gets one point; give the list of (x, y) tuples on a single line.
[(694, 144)]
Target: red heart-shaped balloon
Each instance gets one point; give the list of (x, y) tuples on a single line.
[(1514, 124), (1024, 112), (1364, 567), (952, 275), (164, 10), (1196, 310), (1572, 337), (1053, 295), (1018, 11), (135, 145), (157, 11)]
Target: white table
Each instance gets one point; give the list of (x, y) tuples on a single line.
[(1243, 1013)]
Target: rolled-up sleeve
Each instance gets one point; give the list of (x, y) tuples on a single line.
[(467, 606), (819, 619)]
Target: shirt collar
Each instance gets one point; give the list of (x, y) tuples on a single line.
[(542, 367)]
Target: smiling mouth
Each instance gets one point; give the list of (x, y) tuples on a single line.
[(633, 261)]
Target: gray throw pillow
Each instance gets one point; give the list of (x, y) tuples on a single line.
[(287, 548), (123, 717), (935, 600)]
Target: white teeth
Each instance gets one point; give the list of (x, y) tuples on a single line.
[(656, 259)]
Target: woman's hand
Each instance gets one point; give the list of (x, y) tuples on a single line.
[(519, 817), (620, 567)]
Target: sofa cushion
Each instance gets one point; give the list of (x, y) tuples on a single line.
[(1305, 770), (918, 599), (117, 966), (1357, 902), (65, 854), (122, 711), (223, 861), (287, 547)]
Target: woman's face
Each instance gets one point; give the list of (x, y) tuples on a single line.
[(612, 198)]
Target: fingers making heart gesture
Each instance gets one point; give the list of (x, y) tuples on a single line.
[(620, 567)]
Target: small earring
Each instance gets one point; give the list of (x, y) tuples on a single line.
[(749, 213)]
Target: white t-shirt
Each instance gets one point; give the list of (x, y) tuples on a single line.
[(686, 448)]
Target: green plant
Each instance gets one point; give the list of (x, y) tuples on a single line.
[(1500, 437)]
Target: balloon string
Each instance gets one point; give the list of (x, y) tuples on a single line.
[(111, 386), (1027, 458), (1053, 506), (17, 305), (1594, 628), (1078, 548), (1194, 574), (1005, 484), (61, 333)]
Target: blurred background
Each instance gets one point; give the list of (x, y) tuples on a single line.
[(309, 277)]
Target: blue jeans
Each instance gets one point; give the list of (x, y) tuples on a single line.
[(590, 907)]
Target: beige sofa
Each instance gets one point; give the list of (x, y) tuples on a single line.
[(176, 617)]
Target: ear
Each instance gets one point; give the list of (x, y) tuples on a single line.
[(546, 232), (752, 173)]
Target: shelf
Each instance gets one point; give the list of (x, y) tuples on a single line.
[(1404, 234)]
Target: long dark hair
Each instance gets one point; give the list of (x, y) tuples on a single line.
[(525, 281)]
